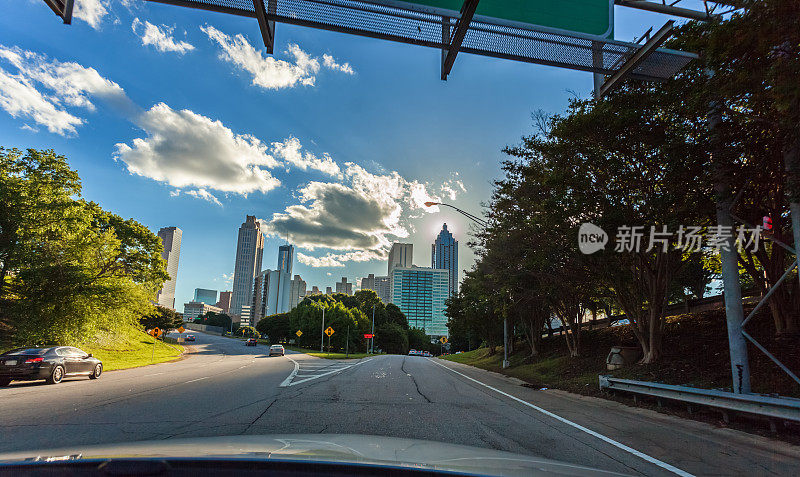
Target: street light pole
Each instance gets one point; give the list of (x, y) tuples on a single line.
[(475, 219), (322, 333), (372, 340)]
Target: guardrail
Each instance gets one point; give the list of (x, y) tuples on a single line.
[(780, 408)]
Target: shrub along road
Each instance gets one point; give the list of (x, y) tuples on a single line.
[(226, 388)]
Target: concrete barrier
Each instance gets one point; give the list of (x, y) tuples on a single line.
[(214, 330)]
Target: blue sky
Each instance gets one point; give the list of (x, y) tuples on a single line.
[(172, 119)]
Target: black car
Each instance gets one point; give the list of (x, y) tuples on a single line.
[(51, 364), (251, 342)]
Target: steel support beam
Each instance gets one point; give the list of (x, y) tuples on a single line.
[(666, 9), (467, 12), (266, 26), (636, 59), (62, 8)]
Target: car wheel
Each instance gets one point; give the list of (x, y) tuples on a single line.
[(98, 370), (5, 381), (56, 375)]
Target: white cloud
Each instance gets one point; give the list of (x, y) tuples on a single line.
[(205, 195), (452, 188), (91, 11), (337, 260), (160, 37), (331, 63), (268, 72), (67, 84), (289, 151), (27, 127), (360, 217), (187, 150)]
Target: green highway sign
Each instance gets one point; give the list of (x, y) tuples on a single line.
[(591, 17)]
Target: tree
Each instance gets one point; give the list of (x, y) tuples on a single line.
[(277, 327), (161, 317), (391, 338), (395, 315), (247, 332), (215, 319), (70, 270)]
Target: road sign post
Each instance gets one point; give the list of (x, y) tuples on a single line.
[(329, 331), (347, 344)]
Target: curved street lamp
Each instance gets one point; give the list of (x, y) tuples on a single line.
[(475, 219)]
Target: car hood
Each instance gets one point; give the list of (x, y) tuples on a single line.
[(334, 448)]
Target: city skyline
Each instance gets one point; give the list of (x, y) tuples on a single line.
[(400, 256)]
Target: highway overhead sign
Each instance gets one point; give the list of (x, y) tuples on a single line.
[(329, 331), (592, 17), (299, 333)]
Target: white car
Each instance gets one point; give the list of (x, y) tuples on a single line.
[(277, 350)]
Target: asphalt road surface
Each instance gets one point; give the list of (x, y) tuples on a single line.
[(225, 388)]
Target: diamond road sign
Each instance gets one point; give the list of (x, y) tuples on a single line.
[(592, 17), (299, 333), (329, 331)]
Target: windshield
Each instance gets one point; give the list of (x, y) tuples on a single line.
[(566, 231)]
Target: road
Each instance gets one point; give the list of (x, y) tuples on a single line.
[(224, 388)]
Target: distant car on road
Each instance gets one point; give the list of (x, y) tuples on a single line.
[(427, 354), (277, 350), (51, 364), (251, 342), (189, 337), (413, 352)]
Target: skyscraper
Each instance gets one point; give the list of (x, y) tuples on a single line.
[(421, 293), (401, 255), (249, 252), (171, 240), (203, 295), (285, 258), (298, 291), (378, 284), (344, 287), (444, 254), (271, 294), (224, 301)]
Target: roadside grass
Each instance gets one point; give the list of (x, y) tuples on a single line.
[(130, 348), (317, 354), (695, 354)]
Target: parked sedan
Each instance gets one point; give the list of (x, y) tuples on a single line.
[(51, 364), (276, 350)]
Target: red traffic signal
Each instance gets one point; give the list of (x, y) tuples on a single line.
[(368, 335)]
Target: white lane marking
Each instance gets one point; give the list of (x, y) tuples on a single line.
[(609, 440), (288, 381), (292, 375), (194, 380), (154, 374)]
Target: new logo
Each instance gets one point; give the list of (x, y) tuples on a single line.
[(591, 238)]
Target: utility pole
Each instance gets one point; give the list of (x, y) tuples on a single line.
[(372, 340), (729, 260), (505, 343), (347, 344), (322, 333)]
